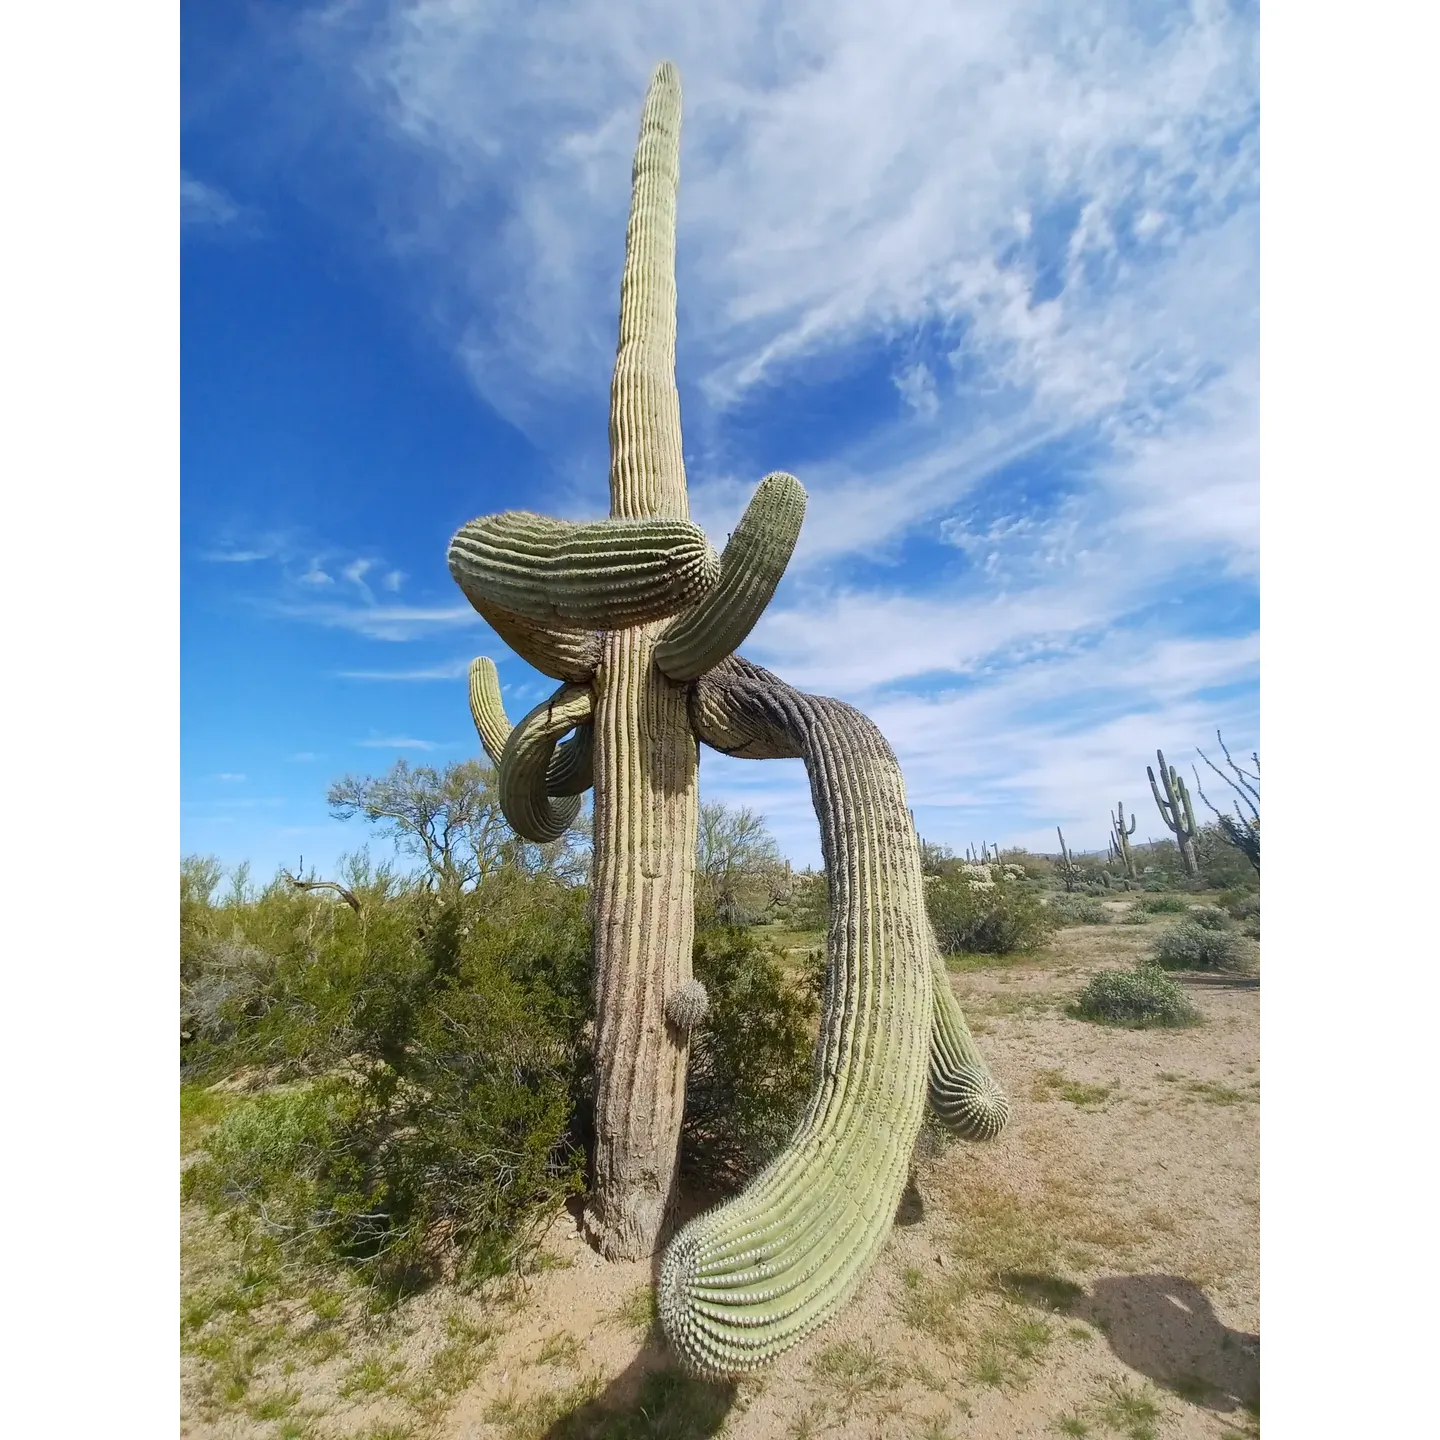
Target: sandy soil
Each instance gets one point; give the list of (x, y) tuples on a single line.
[(1095, 1271)]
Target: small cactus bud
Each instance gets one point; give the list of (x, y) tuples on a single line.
[(687, 1005)]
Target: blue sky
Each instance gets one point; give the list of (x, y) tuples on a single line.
[(984, 277)]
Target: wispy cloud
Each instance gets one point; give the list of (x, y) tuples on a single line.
[(229, 777), (304, 757), (450, 670), (379, 622), (208, 207), (399, 742)]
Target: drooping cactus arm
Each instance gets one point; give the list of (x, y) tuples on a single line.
[(963, 1094), (752, 1277), (751, 567)]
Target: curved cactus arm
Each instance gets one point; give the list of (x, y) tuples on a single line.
[(749, 1279), (525, 763), (571, 770), (561, 654), (487, 709), (963, 1094), (604, 575), (750, 568)]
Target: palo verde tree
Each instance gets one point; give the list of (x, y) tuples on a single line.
[(640, 620), (1242, 829), (451, 820)]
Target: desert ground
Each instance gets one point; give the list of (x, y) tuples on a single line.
[(1095, 1271)]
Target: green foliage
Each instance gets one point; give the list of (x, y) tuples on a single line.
[(1188, 946), (1222, 865), (1140, 998), (749, 1073), (1078, 910), (1005, 918)]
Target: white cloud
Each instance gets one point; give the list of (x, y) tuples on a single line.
[(230, 778), (393, 579), (399, 742)]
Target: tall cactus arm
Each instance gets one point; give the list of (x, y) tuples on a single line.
[(526, 759), (571, 769), (750, 568), (603, 575), (751, 1278), (1165, 811), (647, 464), (487, 709)]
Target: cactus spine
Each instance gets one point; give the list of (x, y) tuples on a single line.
[(1175, 811), (1120, 840), (641, 621)]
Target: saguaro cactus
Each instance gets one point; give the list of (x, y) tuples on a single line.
[(641, 621), (1175, 811), (1120, 841)]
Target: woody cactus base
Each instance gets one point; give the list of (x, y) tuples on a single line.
[(640, 620)]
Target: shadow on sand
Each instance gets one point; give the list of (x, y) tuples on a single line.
[(1162, 1326)]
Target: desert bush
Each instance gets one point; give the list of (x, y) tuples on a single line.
[(750, 1061), (1188, 946), (1078, 910), (1005, 918), (1209, 917), (1142, 997), (455, 1118), (1239, 904), (1135, 915), (1163, 905)]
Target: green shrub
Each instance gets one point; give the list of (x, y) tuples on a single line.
[(1142, 997), (1188, 946), (447, 1098), (1005, 918), (1163, 905), (750, 1061), (1135, 915), (1240, 904), (1078, 910)]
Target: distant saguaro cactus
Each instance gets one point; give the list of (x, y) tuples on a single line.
[(640, 620), (1069, 871), (1120, 840), (1175, 811)]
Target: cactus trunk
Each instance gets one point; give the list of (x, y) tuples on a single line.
[(645, 819)]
